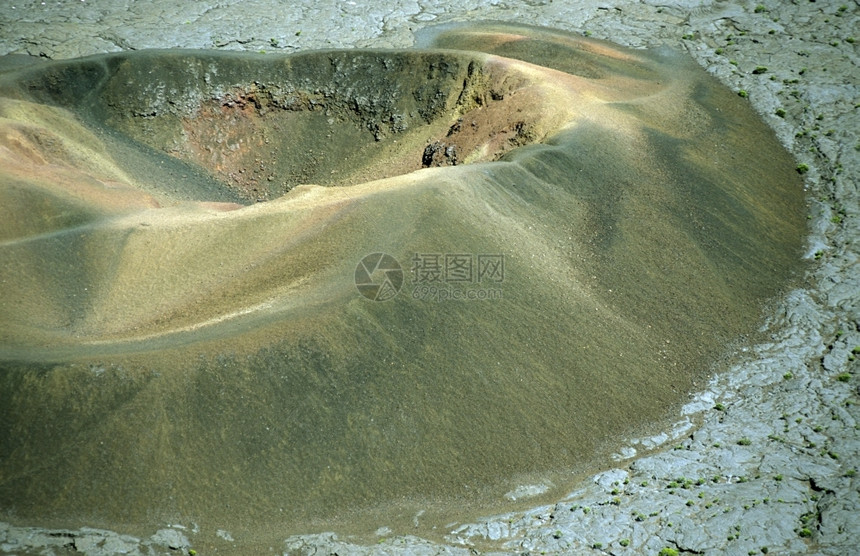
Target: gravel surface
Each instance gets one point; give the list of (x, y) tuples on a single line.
[(764, 459)]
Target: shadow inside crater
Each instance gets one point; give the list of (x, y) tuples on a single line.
[(261, 125)]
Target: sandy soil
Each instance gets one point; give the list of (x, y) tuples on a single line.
[(763, 458)]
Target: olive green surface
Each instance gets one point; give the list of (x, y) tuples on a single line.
[(171, 348)]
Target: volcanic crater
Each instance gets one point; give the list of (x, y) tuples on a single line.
[(167, 341)]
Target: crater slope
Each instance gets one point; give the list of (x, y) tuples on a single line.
[(581, 230)]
